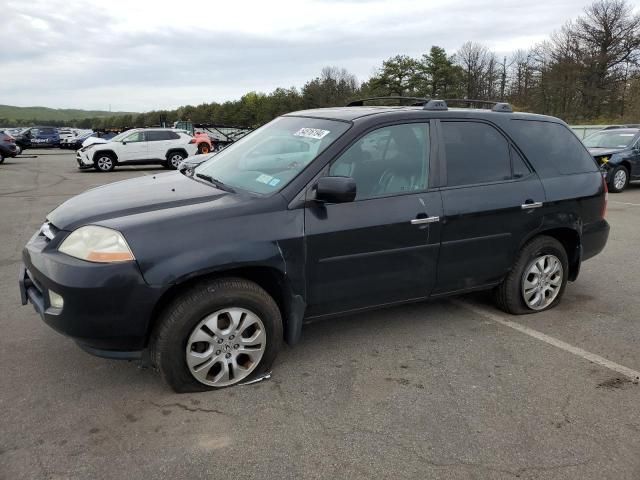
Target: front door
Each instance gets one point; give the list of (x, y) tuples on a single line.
[(383, 247), (134, 147)]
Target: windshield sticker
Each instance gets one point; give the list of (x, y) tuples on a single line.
[(264, 178), (316, 133), (274, 182), (626, 134)]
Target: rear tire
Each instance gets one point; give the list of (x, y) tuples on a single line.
[(619, 179), (184, 331), (174, 159), (511, 295), (203, 148)]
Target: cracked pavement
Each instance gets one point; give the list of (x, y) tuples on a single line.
[(429, 390)]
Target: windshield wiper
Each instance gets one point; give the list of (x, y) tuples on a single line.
[(215, 182)]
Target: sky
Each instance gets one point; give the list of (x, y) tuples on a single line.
[(141, 55)]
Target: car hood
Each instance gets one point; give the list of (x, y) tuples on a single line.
[(598, 152), (134, 196)]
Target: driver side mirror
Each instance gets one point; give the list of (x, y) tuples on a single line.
[(336, 189)]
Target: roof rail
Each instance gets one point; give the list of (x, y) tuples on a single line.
[(417, 101), (495, 106)]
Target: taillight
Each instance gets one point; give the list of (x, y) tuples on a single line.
[(193, 140), (606, 197)]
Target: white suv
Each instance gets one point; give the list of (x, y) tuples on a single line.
[(140, 146)]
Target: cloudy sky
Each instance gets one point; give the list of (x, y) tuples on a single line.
[(140, 55)]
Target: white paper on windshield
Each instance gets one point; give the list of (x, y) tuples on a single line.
[(626, 134), (264, 178), (316, 133)]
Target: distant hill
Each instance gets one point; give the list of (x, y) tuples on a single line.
[(11, 113)]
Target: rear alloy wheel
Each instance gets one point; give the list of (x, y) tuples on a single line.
[(537, 280), (174, 160), (104, 162), (218, 333), (619, 179)]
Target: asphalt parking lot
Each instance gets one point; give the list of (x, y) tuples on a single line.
[(447, 389)]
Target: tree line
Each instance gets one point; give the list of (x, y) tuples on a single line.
[(587, 72)]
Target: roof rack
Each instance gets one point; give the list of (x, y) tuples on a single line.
[(495, 106), (417, 101)]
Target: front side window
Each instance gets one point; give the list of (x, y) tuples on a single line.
[(475, 153), (388, 161), (268, 158), (134, 137)]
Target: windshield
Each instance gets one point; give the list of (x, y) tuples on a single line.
[(269, 158), (609, 140)]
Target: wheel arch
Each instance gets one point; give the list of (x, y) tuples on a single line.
[(176, 150), (572, 243), (272, 280), (101, 152)]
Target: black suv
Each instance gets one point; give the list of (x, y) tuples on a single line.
[(206, 272), (618, 152)]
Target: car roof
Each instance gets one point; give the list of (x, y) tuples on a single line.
[(353, 113), (619, 130)]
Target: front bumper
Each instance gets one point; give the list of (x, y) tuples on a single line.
[(83, 160), (107, 307)]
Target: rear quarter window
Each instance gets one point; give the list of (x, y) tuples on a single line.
[(552, 148)]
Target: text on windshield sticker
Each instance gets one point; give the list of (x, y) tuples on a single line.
[(316, 133)]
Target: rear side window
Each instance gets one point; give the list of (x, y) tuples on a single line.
[(552, 148), (475, 153), (157, 135)]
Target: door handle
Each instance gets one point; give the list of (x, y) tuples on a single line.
[(530, 205), (420, 221)]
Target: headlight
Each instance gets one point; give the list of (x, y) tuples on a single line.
[(97, 244)]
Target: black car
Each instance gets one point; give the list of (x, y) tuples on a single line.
[(205, 274), (618, 152), (8, 146)]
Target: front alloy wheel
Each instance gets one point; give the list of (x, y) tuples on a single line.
[(217, 333), (226, 347), (104, 163), (619, 179)]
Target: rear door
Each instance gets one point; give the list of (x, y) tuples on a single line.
[(492, 201), (382, 247), (159, 142)]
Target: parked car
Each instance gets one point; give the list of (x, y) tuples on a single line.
[(207, 274), (38, 137), (139, 146), (618, 153), (99, 137), (8, 146), (75, 142)]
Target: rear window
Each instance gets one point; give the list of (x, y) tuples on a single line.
[(552, 148)]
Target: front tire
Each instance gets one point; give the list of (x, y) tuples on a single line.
[(104, 162), (537, 280), (619, 179), (217, 334)]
